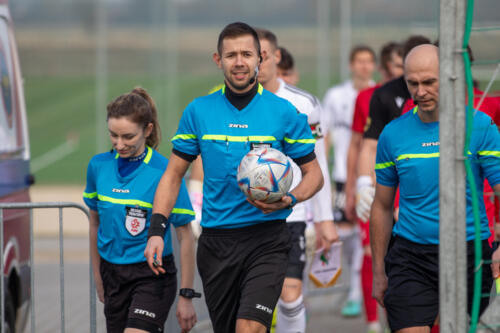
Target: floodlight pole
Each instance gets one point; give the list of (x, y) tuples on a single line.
[(452, 204), (323, 67), (101, 75), (345, 38)]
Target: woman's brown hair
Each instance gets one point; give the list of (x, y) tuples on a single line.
[(139, 108)]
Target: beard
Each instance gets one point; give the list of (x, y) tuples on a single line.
[(238, 85)]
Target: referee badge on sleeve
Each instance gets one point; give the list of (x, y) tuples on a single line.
[(135, 220)]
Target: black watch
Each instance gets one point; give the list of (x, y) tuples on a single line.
[(189, 293)]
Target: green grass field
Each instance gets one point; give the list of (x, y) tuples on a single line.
[(65, 107), (60, 108), (58, 68)]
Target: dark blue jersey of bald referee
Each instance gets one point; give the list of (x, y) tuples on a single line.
[(223, 134)]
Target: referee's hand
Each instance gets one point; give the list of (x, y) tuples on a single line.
[(153, 254), (267, 208), (186, 315), (379, 287), (495, 264)]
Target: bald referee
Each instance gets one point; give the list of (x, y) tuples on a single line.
[(406, 283)]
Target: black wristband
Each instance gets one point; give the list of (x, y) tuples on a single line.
[(158, 225)]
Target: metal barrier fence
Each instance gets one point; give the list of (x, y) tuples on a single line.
[(31, 206), (171, 324)]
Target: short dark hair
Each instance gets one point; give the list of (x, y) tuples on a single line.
[(360, 49), (413, 41), (386, 53), (267, 35), (286, 63), (237, 29)]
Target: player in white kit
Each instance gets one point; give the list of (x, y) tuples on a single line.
[(291, 311), (338, 109)]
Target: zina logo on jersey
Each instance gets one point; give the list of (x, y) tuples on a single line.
[(238, 126), (430, 144)]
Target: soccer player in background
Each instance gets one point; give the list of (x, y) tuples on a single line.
[(243, 248), (387, 102), (291, 315), (286, 68), (406, 275), (119, 192), (391, 67), (338, 109)]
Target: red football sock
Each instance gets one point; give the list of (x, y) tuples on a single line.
[(367, 283)]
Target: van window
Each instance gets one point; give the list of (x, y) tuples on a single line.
[(11, 140)]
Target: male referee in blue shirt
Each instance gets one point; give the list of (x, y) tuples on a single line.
[(407, 282), (243, 249)]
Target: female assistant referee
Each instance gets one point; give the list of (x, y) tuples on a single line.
[(120, 189)]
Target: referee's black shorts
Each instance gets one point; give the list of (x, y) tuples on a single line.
[(412, 296), (134, 297), (242, 271)]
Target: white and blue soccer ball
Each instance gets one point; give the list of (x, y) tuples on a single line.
[(265, 174)]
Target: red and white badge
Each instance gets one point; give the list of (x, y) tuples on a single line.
[(135, 221)]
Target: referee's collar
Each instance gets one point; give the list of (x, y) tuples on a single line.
[(240, 101)]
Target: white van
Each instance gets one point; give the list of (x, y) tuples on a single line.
[(15, 178)]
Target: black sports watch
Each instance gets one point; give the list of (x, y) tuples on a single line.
[(189, 293)]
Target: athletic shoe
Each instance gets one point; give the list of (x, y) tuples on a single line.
[(351, 309), (374, 327)]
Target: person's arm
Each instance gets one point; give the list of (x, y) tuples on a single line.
[(495, 265), (94, 254), (380, 234), (366, 160), (352, 172), (312, 181), (165, 198), (322, 202), (186, 316), (365, 189)]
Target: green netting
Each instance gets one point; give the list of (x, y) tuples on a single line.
[(478, 262)]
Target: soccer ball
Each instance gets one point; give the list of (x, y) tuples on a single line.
[(265, 174)]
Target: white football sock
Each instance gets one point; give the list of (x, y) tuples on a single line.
[(356, 261), (291, 316)]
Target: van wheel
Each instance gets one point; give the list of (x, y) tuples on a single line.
[(10, 314)]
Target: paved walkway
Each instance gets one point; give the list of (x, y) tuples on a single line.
[(323, 309)]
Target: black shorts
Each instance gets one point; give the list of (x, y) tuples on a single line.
[(242, 271), (297, 254), (412, 296), (135, 297)]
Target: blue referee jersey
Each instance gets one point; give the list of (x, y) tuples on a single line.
[(125, 203), (222, 134), (413, 163)]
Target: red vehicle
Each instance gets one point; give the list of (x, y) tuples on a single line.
[(15, 178)]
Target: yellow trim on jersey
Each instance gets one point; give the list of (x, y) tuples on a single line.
[(299, 140), (183, 211), (415, 109), (184, 137), (384, 165), (233, 138), (148, 155), (408, 156), (489, 153), (132, 202), (90, 195)]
